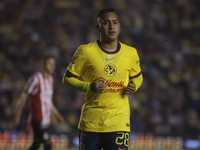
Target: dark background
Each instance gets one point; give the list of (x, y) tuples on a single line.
[(166, 34)]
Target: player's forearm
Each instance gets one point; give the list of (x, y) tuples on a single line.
[(21, 102), (55, 111), (138, 81), (19, 108), (76, 84)]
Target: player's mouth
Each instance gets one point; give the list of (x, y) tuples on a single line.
[(111, 32)]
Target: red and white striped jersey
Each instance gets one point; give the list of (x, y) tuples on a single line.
[(40, 90)]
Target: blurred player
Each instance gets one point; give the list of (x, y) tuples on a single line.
[(110, 70), (40, 89)]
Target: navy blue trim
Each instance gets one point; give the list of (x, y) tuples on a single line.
[(105, 51), (69, 74), (135, 76)]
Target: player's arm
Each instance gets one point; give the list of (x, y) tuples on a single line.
[(75, 69), (75, 83), (134, 84), (135, 75), (96, 86), (138, 81), (56, 113), (19, 107)]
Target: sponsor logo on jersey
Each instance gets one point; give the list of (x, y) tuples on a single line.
[(112, 86), (111, 83), (138, 62), (108, 59), (110, 70)]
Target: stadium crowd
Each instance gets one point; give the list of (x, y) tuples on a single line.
[(166, 34)]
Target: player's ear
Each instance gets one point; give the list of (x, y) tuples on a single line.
[(97, 27)]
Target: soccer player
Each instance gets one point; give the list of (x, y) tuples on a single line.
[(40, 89), (110, 71)]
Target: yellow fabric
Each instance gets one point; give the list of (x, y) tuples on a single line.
[(108, 111), (138, 81), (76, 84)]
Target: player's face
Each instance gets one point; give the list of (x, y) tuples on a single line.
[(50, 65), (109, 27)]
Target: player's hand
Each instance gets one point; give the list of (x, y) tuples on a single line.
[(98, 86), (130, 88), (61, 120)]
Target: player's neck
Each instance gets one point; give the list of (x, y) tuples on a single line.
[(109, 46), (45, 74)]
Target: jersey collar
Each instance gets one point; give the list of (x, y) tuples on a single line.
[(113, 52)]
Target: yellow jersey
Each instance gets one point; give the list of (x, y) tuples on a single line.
[(108, 111)]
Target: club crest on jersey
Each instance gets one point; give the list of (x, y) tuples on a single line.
[(110, 70)]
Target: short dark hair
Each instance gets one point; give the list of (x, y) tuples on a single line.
[(105, 10)]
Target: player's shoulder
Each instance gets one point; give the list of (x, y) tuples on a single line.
[(128, 49), (34, 78), (88, 46), (36, 75)]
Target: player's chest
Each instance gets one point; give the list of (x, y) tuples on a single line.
[(46, 87), (109, 63)]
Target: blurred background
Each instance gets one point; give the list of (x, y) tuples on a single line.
[(166, 34)]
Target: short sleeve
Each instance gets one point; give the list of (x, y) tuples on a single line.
[(135, 70), (32, 86), (76, 65)]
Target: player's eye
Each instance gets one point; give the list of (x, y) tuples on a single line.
[(105, 23)]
